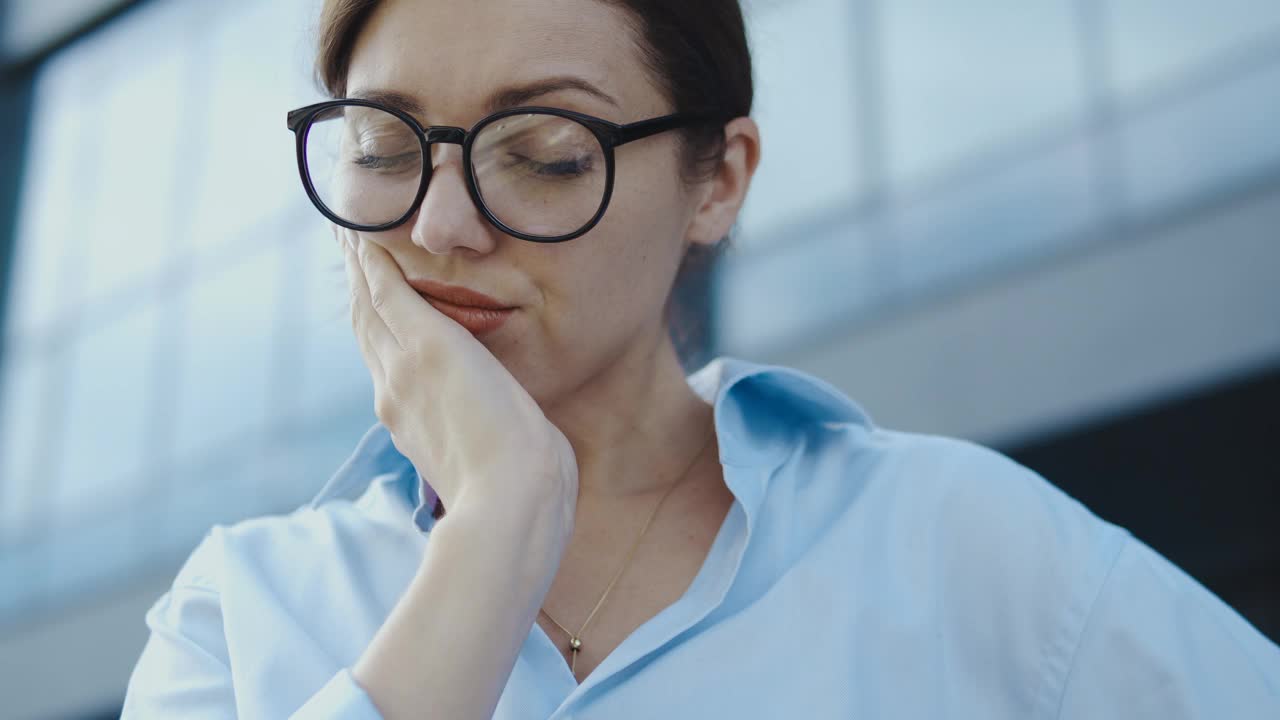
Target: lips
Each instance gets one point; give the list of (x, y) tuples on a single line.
[(475, 311), (477, 320), (457, 295)]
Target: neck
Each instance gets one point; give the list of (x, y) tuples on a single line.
[(635, 425)]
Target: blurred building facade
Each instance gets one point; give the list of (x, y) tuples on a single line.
[(1048, 227)]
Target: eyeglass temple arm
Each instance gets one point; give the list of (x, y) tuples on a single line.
[(294, 118), (645, 128)]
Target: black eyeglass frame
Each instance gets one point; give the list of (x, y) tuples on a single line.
[(610, 135)]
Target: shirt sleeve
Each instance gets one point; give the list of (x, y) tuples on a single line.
[(1158, 644), (184, 670)]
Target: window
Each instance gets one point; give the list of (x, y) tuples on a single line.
[(179, 351)]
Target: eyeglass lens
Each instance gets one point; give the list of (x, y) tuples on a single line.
[(542, 175)]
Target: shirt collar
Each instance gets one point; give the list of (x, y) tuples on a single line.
[(758, 409)]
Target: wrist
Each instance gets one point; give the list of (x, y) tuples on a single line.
[(543, 521)]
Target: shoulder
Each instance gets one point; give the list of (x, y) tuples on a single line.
[(957, 489), (1026, 585), (982, 511), (1008, 545), (266, 540), (302, 546), (983, 556), (972, 508), (271, 570), (985, 500), (296, 595), (992, 524)]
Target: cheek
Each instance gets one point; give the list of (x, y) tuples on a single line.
[(617, 276), (643, 229), (630, 264), (608, 286), (601, 282)]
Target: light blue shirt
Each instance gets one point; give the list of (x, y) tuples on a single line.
[(860, 573)]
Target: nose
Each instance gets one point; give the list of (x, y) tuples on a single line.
[(447, 218)]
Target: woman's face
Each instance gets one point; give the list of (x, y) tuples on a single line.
[(581, 303)]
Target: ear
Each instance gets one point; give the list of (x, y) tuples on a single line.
[(721, 197)]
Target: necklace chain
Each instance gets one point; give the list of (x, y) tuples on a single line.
[(575, 639)]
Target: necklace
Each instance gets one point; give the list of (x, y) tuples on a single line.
[(575, 639)]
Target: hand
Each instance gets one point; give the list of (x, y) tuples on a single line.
[(452, 408)]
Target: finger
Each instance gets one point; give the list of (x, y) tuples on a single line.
[(401, 308), (364, 320)]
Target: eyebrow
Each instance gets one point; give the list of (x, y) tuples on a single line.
[(503, 98)]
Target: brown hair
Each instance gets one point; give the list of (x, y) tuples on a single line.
[(697, 55)]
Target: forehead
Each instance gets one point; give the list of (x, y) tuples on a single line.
[(452, 54)]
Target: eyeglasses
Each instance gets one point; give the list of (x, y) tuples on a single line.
[(537, 173)]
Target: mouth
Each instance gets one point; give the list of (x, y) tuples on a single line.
[(477, 320), (475, 311), (457, 295)]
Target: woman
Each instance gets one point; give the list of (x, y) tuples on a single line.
[(610, 538)]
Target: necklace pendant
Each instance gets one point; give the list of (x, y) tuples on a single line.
[(575, 644)]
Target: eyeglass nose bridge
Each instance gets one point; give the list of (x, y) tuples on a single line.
[(446, 134)]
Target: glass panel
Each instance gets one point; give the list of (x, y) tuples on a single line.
[(987, 223), (1223, 135), (128, 207), (109, 399), (24, 405), (335, 392), (789, 294), (803, 169), (104, 152), (960, 78), (283, 485), (333, 372), (290, 19), (227, 352), (23, 577), (12, 587), (1152, 41), (91, 551), (223, 488), (326, 444), (247, 156), (309, 453), (47, 228)]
